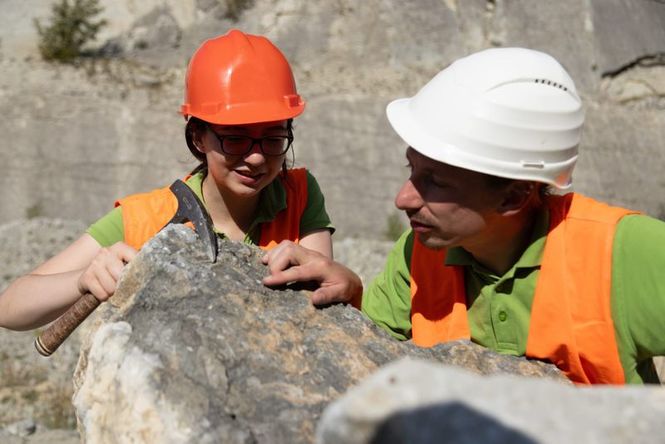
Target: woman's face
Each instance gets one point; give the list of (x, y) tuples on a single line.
[(246, 173)]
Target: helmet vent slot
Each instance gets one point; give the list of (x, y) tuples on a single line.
[(551, 83)]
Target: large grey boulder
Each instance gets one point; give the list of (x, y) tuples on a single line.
[(419, 402), (189, 351)]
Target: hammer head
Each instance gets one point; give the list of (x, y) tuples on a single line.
[(191, 209)]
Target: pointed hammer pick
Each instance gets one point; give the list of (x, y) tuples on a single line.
[(190, 209)]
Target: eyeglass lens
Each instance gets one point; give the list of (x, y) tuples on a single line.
[(271, 145)]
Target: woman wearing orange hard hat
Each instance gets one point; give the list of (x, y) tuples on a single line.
[(240, 102)]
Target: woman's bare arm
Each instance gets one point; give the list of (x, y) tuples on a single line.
[(45, 293)]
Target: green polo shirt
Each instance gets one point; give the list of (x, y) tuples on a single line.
[(499, 307), (109, 229)]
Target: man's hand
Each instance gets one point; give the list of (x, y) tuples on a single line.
[(289, 263)]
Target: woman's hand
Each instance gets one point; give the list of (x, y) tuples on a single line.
[(289, 262), (101, 277), (42, 295)]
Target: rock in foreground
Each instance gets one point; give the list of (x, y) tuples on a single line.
[(419, 402), (189, 351)]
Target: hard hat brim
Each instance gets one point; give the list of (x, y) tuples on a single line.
[(401, 118), (244, 114)]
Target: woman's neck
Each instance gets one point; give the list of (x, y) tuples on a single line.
[(231, 215)]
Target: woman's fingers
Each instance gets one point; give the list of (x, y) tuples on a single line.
[(101, 277), (123, 251), (97, 290)]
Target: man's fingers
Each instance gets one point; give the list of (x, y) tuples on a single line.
[(298, 273), (286, 255), (269, 255), (276, 250), (280, 257), (279, 262), (284, 277), (289, 263), (325, 295)]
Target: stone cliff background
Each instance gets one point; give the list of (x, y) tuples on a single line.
[(76, 138)]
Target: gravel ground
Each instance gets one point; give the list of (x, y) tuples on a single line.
[(35, 392)]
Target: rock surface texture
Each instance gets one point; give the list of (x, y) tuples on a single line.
[(198, 352)]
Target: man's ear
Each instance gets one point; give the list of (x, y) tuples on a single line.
[(197, 140), (516, 197)]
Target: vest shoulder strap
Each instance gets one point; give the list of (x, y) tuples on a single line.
[(144, 214), (438, 298), (571, 322), (286, 225)]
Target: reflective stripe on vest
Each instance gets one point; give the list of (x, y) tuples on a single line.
[(143, 215), (571, 321)]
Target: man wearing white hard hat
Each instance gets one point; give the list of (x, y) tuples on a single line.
[(493, 254)]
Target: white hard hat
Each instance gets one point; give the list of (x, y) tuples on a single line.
[(508, 112)]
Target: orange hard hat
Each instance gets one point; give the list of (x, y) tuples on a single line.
[(239, 78)]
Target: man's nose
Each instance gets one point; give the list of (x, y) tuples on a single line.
[(408, 197)]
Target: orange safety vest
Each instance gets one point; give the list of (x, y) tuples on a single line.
[(571, 320), (144, 214)]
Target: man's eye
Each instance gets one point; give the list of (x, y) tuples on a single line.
[(434, 181)]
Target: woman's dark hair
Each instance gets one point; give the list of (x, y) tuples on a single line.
[(195, 127)]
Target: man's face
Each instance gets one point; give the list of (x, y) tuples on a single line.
[(448, 206)]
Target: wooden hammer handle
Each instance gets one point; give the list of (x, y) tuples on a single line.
[(51, 338)]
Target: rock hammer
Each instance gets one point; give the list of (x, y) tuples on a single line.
[(190, 209)]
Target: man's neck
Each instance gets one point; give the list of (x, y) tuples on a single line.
[(503, 247)]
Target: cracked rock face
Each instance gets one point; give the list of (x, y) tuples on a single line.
[(189, 351)]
